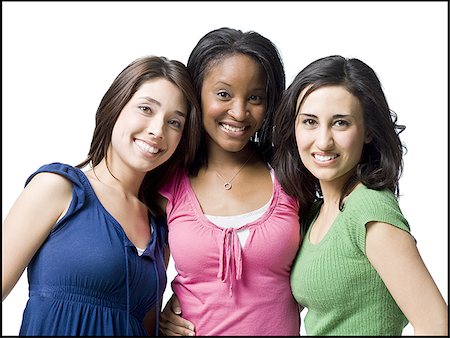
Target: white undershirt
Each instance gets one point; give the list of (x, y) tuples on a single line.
[(140, 251), (237, 221)]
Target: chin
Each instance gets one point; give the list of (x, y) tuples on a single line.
[(233, 148), (325, 178)]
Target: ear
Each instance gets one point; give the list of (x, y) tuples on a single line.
[(368, 138)]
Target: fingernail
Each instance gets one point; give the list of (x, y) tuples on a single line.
[(191, 333), (177, 311), (191, 327)]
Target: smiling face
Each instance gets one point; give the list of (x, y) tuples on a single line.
[(233, 100), (150, 125), (330, 133)]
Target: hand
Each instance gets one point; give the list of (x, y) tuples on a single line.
[(171, 323)]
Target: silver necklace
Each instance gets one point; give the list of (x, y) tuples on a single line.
[(227, 184)]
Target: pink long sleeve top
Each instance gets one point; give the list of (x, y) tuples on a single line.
[(226, 289)]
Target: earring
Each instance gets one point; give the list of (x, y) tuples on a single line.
[(256, 138)]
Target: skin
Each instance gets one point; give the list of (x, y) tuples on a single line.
[(233, 108), (330, 122), (233, 102), (330, 143), (154, 116)]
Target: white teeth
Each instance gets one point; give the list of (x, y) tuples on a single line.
[(145, 147), (324, 158), (231, 128)]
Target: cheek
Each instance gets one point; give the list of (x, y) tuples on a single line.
[(211, 107), (176, 138), (355, 141), (259, 115), (302, 142), (302, 136), (118, 130)]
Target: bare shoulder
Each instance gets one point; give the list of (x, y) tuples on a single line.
[(45, 198), (50, 184)]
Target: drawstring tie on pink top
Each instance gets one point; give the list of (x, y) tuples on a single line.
[(229, 251)]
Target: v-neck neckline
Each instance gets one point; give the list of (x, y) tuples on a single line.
[(116, 223)]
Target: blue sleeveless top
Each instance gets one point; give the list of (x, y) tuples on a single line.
[(87, 278)]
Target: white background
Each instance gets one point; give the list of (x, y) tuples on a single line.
[(58, 59)]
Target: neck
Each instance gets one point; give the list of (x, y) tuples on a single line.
[(228, 165), (332, 190), (121, 178), (223, 159)]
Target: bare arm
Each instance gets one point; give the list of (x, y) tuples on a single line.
[(394, 254), (43, 201), (171, 322)]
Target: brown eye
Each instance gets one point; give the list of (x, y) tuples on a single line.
[(341, 123), (145, 109), (176, 124), (309, 122), (223, 95), (256, 99)]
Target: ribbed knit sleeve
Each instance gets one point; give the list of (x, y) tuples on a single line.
[(334, 280), (367, 205)]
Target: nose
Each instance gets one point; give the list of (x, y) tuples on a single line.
[(239, 110), (156, 126), (324, 139)]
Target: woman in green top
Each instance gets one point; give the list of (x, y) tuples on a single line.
[(337, 149)]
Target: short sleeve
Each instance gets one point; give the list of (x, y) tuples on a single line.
[(367, 205), (170, 189), (74, 175)]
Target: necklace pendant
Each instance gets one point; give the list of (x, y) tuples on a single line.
[(227, 186)]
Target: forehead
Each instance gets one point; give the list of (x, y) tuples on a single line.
[(162, 91), (328, 98), (236, 65)]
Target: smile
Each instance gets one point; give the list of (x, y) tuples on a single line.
[(325, 158), (232, 128), (146, 147)]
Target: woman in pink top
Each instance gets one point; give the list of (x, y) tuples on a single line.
[(233, 231)]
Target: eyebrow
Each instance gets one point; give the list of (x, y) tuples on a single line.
[(335, 116), (152, 100), (224, 83), (227, 84)]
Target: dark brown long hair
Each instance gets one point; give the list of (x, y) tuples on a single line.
[(120, 92), (381, 161)]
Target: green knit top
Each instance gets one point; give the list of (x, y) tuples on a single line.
[(334, 280)]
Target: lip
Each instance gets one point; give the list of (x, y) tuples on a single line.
[(233, 128), (147, 147), (321, 158)]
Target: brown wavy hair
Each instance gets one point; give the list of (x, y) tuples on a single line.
[(117, 96), (381, 162)]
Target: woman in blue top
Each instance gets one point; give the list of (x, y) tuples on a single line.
[(92, 241)]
